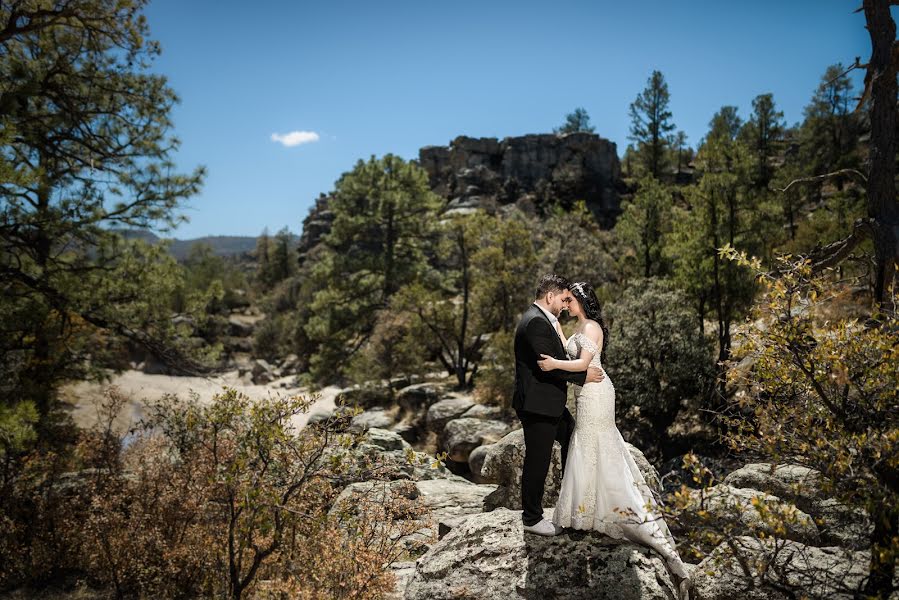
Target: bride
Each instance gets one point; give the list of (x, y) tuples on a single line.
[(602, 488)]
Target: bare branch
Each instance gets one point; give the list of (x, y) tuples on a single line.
[(834, 253), (823, 177)]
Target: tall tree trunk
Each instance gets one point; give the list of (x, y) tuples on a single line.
[(882, 207)]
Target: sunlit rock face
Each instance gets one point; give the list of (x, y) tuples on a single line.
[(529, 170)]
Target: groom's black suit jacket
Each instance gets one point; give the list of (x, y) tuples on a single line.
[(536, 391)]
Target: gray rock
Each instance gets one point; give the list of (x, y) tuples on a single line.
[(502, 465), (366, 396), (483, 411), (444, 498), (797, 569), (461, 436), (488, 556), (735, 505), (841, 525), (386, 440), (646, 469), (376, 417), (800, 485), (443, 411), (262, 372), (838, 524), (476, 464), (239, 326), (402, 572), (417, 396), (579, 166), (448, 498)]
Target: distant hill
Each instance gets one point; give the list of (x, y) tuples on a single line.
[(222, 245)]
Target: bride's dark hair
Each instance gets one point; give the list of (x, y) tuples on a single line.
[(584, 293)]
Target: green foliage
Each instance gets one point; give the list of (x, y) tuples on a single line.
[(394, 349), (504, 266), (276, 258), (763, 134), (829, 134), (571, 243), (819, 389), (722, 213), (17, 429), (575, 122), (206, 272), (91, 152), (725, 124), (642, 226), (215, 499), (496, 380), (384, 216), (658, 357), (651, 124)]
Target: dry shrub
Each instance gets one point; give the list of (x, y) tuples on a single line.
[(222, 499)]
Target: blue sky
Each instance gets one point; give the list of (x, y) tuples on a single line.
[(368, 78)]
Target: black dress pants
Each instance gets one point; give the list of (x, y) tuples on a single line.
[(540, 431)]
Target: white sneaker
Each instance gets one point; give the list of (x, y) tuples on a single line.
[(544, 527)]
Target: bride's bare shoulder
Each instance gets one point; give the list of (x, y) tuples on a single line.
[(592, 329)]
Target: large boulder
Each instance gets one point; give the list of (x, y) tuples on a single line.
[(779, 570), (838, 524), (443, 411), (263, 372), (484, 411), (366, 396), (476, 463), (746, 507), (800, 485), (374, 418), (419, 396), (503, 462), (841, 525), (488, 556), (461, 436), (445, 499)]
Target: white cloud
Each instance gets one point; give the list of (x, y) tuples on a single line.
[(295, 138)]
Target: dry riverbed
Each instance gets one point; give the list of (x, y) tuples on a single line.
[(140, 388)]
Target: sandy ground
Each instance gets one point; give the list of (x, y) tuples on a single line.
[(82, 397)]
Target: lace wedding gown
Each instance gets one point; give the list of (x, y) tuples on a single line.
[(602, 488)]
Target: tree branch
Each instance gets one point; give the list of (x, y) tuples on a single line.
[(823, 177)]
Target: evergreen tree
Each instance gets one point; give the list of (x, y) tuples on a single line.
[(763, 134), (829, 134), (643, 224), (721, 215), (725, 124), (86, 150), (577, 121), (651, 124), (384, 215)]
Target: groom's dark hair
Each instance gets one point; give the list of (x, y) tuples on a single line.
[(551, 283)]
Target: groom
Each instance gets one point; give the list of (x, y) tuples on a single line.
[(539, 398)]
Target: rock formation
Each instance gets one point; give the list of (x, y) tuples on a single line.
[(532, 169)]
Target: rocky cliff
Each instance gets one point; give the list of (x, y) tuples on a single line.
[(530, 170)]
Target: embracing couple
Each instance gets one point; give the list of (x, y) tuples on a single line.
[(602, 488)]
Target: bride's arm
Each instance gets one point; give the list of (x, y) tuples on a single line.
[(594, 334)]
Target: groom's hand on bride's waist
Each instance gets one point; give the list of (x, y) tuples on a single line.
[(594, 375)]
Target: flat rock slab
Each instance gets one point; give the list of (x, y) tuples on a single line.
[(488, 556)]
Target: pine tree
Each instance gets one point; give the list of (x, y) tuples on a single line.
[(86, 150), (577, 121), (651, 124)]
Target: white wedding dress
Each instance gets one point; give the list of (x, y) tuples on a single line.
[(602, 488)]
